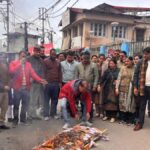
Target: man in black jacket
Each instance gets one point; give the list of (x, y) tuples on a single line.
[(37, 89)]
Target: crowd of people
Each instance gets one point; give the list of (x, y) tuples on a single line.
[(114, 88)]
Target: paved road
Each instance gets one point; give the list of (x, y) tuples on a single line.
[(122, 137)]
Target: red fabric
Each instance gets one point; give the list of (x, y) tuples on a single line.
[(47, 48), (15, 70), (68, 92)]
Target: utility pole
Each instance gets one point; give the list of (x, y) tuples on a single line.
[(7, 21), (42, 16), (25, 24), (7, 18), (51, 36), (26, 36)]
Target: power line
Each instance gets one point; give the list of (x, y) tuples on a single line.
[(75, 3), (38, 26), (60, 7), (47, 10), (64, 11), (16, 15)]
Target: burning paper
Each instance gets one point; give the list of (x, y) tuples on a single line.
[(76, 138)]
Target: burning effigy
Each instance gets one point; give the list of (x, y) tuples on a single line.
[(76, 138)]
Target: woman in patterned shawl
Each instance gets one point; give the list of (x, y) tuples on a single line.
[(125, 91)]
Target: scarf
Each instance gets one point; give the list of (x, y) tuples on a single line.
[(142, 78)]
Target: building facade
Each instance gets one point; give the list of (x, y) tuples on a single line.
[(104, 25)]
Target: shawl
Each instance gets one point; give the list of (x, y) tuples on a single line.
[(142, 78)]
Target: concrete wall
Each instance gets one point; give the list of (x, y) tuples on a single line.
[(17, 44)]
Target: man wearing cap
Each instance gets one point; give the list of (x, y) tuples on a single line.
[(37, 89)]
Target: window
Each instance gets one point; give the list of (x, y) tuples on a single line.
[(65, 33), (119, 32), (99, 29), (75, 31), (80, 29)]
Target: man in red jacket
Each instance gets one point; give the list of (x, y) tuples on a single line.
[(22, 72), (68, 94)]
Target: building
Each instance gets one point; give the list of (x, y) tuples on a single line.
[(104, 25), (16, 42)]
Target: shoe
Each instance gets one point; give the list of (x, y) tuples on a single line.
[(25, 123), (112, 120), (4, 127), (66, 126), (138, 127), (37, 118), (14, 124), (149, 114), (10, 120), (122, 122), (83, 123), (101, 116), (91, 120), (39, 112), (105, 118), (29, 120), (97, 115), (56, 117), (87, 123), (46, 118), (129, 124)]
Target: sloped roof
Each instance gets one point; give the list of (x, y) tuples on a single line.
[(18, 34), (119, 9), (131, 9), (106, 8)]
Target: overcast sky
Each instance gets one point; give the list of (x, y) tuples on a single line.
[(28, 10)]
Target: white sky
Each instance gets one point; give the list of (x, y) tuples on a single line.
[(28, 10)]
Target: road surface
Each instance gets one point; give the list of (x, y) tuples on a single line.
[(122, 137)]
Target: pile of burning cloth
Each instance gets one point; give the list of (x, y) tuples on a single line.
[(76, 138)]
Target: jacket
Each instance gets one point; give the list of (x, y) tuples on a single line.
[(68, 71), (70, 92), (88, 73), (16, 72), (4, 76), (53, 72), (37, 64)]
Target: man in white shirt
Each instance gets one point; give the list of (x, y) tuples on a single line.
[(68, 68)]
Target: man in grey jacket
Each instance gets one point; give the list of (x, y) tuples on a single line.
[(88, 71)]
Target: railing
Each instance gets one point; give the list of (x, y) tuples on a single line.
[(134, 47)]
